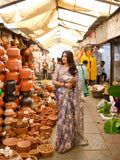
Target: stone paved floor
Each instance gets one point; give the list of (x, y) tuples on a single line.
[(101, 146)]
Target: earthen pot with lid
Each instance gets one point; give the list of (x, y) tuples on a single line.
[(13, 52), (25, 73), (26, 85), (13, 75), (13, 64)]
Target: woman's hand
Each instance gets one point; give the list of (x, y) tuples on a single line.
[(68, 85)]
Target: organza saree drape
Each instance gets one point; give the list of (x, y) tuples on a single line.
[(70, 127)]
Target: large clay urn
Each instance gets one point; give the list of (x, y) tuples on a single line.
[(25, 73), (12, 75), (2, 51), (13, 64), (13, 52), (2, 67), (26, 85)]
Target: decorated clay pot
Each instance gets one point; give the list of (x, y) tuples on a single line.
[(12, 75), (11, 105), (4, 58), (25, 73), (26, 101), (26, 85), (9, 87), (13, 64), (9, 112), (13, 52), (25, 93), (8, 121)]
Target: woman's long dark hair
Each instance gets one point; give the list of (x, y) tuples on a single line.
[(70, 60)]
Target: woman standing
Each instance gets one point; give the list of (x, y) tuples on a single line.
[(70, 127)]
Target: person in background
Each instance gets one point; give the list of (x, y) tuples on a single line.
[(70, 126), (103, 74), (82, 70), (59, 61), (54, 64), (98, 57), (45, 68), (50, 69)]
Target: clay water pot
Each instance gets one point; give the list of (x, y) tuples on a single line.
[(13, 64), (4, 58), (12, 75), (9, 112), (25, 93), (8, 121), (25, 73), (11, 105), (26, 85), (13, 52), (26, 101), (9, 87), (11, 98)]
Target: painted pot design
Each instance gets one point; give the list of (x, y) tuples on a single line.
[(12, 75), (13, 52), (13, 64), (25, 73), (26, 85)]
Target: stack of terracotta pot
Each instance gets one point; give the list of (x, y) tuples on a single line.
[(26, 85), (13, 65)]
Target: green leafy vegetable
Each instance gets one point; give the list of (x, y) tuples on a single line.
[(110, 127), (114, 90)]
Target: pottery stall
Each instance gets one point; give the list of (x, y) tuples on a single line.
[(27, 110)]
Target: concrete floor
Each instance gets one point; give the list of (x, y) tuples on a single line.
[(101, 146)]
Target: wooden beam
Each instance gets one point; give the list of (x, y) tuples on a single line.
[(70, 28), (11, 3), (73, 22), (78, 12), (108, 1)]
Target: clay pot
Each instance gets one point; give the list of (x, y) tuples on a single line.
[(13, 52), (2, 51), (2, 78), (49, 88), (25, 93), (6, 45), (4, 58), (1, 85), (11, 98), (11, 142), (26, 101), (9, 112), (1, 112), (23, 146), (7, 128), (25, 73), (2, 67), (8, 121), (12, 75), (26, 85), (13, 64), (1, 121), (9, 87), (11, 105), (32, 66)]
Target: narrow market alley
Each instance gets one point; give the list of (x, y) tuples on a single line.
[(101, 146)]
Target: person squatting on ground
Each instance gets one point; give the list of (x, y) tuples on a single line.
[(70, 127)]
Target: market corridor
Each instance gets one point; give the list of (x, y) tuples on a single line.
[(101, 146)]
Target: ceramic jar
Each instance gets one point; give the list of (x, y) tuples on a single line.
[(13, 52), (13, 64), (25, 73), (9, 112), (8, 121), (26, 101), (9, 87), (12, 75), (26, 85)]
